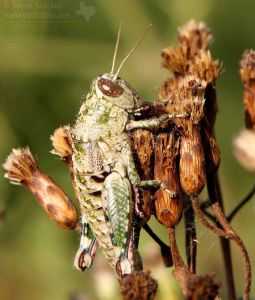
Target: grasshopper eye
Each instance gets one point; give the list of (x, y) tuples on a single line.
[(109, 88)]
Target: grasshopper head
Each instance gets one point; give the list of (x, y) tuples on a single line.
[(116, 91)]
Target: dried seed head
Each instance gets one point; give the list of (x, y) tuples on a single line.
[(168, 203), (62, 142), (244, 149), (175, 59), (22, 169), (247, 70), (202, 287), (195, 35), (188, 98), (204, 67), (247, 65), (192, 163), (20, 166), (138, 285)]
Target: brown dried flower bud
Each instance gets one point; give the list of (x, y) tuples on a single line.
[(202, 287), (195, 35), (168, 203), (247, 65), (192, 163), (138, 285), (22, 169), (142, 144), (62, 142), (176, 59), (247, 70), (244, 149)]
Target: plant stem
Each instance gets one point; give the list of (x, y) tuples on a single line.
[(241, 204), (215, 195), (190, 238), (165, 250), (181, 273)]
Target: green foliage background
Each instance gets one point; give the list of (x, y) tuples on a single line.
[(45, 67)]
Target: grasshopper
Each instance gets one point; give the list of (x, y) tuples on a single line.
[(103, 170)]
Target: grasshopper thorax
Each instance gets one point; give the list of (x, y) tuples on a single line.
[(116, 91)]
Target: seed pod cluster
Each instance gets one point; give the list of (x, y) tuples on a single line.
[(188, 98), (22, 169), (190, 89), (193, 91), (179, 148)]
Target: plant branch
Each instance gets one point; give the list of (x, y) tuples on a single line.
[(165, 250), (215, 196), (190, 238), (239, 206)]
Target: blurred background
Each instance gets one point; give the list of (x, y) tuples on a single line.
[(50, 51)]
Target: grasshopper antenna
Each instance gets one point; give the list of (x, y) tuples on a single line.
[(116, 48), (131, 51)]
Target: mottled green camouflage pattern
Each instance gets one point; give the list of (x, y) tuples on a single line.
[(104, 169)]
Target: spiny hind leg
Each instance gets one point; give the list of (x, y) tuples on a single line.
[(88, 246), (118, 198)]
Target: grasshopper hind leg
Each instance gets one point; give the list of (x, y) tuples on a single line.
[(118, 198), (88, 245)]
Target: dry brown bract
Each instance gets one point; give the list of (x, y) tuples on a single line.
[(202, 287), (138, 286)]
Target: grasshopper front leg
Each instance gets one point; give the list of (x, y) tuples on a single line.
[(135, 179), (153, 122)]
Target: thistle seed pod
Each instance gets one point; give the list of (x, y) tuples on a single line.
[(22, 169), (142, 144), (168, 206), (247, 71), (192, 163)]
